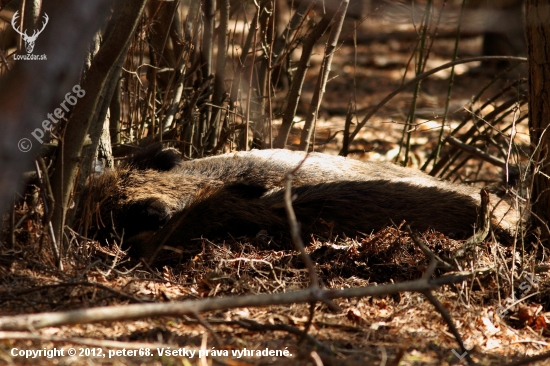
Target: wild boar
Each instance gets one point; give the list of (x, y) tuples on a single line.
[(241, 194)]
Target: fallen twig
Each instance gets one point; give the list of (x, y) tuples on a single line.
[(476, 152), (529, 360), (447, 317), (190, 307), (427, 252)]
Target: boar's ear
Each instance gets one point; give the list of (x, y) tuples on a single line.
[(167, 159), (245, 190), (156, 158)]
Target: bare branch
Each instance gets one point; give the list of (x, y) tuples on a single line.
[(190, 307), (422, 77)]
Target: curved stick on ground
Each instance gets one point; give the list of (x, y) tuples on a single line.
[(415, 236), (190, 307), (445, 314)]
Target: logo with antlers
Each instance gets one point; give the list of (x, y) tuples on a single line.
[(29, 40)]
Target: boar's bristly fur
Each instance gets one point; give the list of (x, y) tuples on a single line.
[(242, 194)]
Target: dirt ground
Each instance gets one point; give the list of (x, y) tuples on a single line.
[(401, 329)]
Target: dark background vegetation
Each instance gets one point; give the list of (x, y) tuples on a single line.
[(208, 77)]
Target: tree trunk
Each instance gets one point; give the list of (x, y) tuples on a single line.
[(84, 114), (538, 48), (32, 89)]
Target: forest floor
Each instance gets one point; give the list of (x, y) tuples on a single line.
[(402, 329)]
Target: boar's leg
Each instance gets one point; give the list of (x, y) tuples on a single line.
[(349, 207)]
